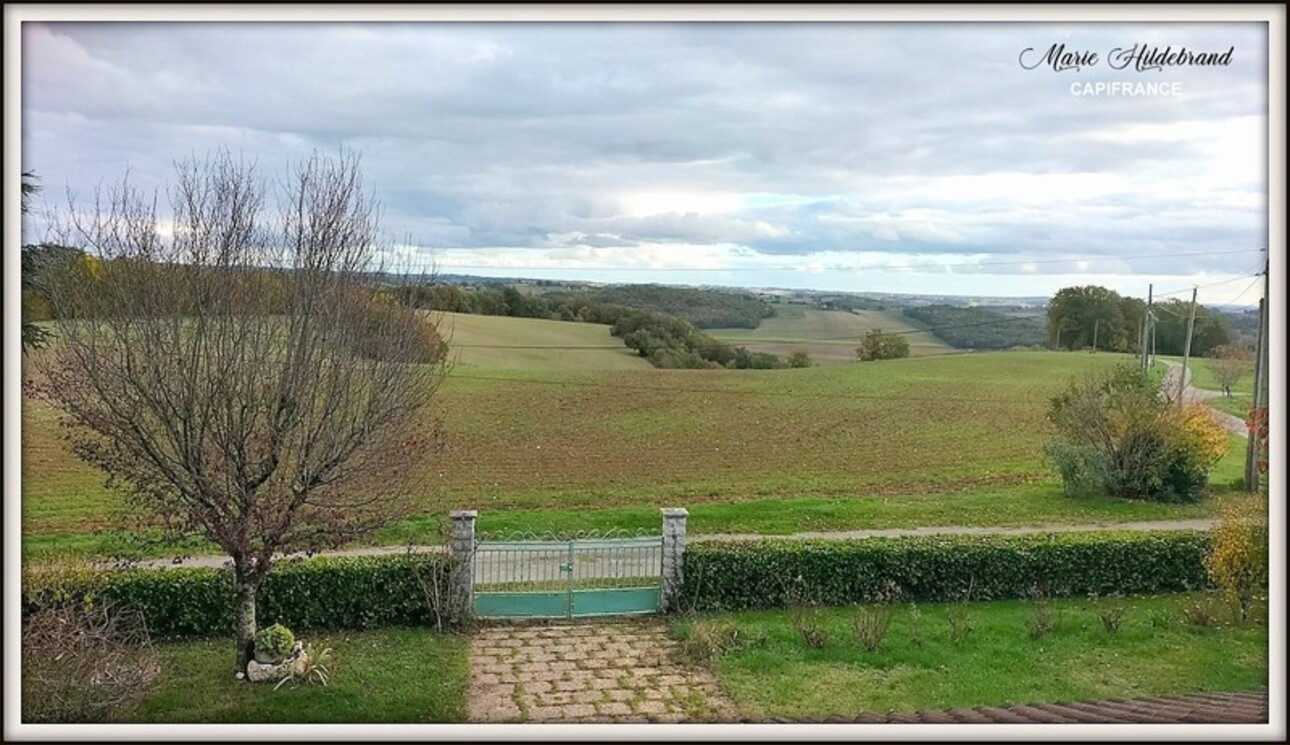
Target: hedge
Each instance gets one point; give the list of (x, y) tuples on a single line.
[(777, 573), (370, 592), (318, 593)]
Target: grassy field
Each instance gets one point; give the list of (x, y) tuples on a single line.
[(387, 676), (503, 343), (902, 443), (829, 336), (1154, 652)]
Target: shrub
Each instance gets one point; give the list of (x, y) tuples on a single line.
[(811, 631), (274, 642), (1238, 561), (871, 625), (319, 593), (1200, 613), (879, 346), (872, 622), (799, 359), (1043, 619), (962, 622), (1111, 614), (1117, 436), (915, 620), (85, 664), (63, 581), (937, 568), (1043, 616), (706, 641)]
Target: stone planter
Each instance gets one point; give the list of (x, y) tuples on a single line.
[(257, 672), (265, 658)]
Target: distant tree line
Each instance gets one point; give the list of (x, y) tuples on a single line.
[(1077, 314), (981, 328), (706, 309), (508, 301), (671, 342), (664, 339)]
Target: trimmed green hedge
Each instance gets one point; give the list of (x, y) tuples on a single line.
[(776, 573), (318, 593)]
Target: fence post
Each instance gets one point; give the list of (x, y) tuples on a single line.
[(673, 553), (463, 563)]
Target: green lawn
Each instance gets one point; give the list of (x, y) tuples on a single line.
[(392, 675), (1154, 653)]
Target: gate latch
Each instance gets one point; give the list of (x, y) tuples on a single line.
[(566, 567)]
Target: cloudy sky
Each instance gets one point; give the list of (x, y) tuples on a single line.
[(846, 156)]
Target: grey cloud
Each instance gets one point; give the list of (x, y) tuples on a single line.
[(506, 135)]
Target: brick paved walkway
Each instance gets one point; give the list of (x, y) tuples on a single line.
[(624, 671)]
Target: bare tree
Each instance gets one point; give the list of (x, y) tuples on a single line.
[(243, 375), (1229, 363)]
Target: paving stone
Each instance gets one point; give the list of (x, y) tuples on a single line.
[(579, 710), (594, 672), (546, 713), (587, 697), (651, 707), (615, 709)]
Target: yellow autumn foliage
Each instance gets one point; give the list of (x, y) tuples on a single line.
[(1238, 559), (1200, 433)]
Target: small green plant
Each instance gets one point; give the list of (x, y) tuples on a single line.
[(1161, 619), (871, 625), (805, 616), (1043, 620), (706, 641), (1200, 613), (915, 619), (807, 623), (1111, 614), (960, 617), (274, 643), (962, 622), (813, 634), (872, 621), (310, 667), (1043, 616)]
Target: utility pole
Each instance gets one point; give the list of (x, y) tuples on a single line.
[(1260, 381), (1096, 322), (1191, 324), (1146, 321)]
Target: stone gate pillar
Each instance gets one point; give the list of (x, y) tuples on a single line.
[(462, 583), (673, 554)]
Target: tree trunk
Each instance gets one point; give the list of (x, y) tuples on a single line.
[(245, 622)]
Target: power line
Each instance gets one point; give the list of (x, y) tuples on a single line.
[(1212, 284)]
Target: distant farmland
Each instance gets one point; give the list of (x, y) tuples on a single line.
[(597, 438), (502, 342), (827, 335)]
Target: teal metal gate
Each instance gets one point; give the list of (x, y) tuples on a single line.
[(570, 578)]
